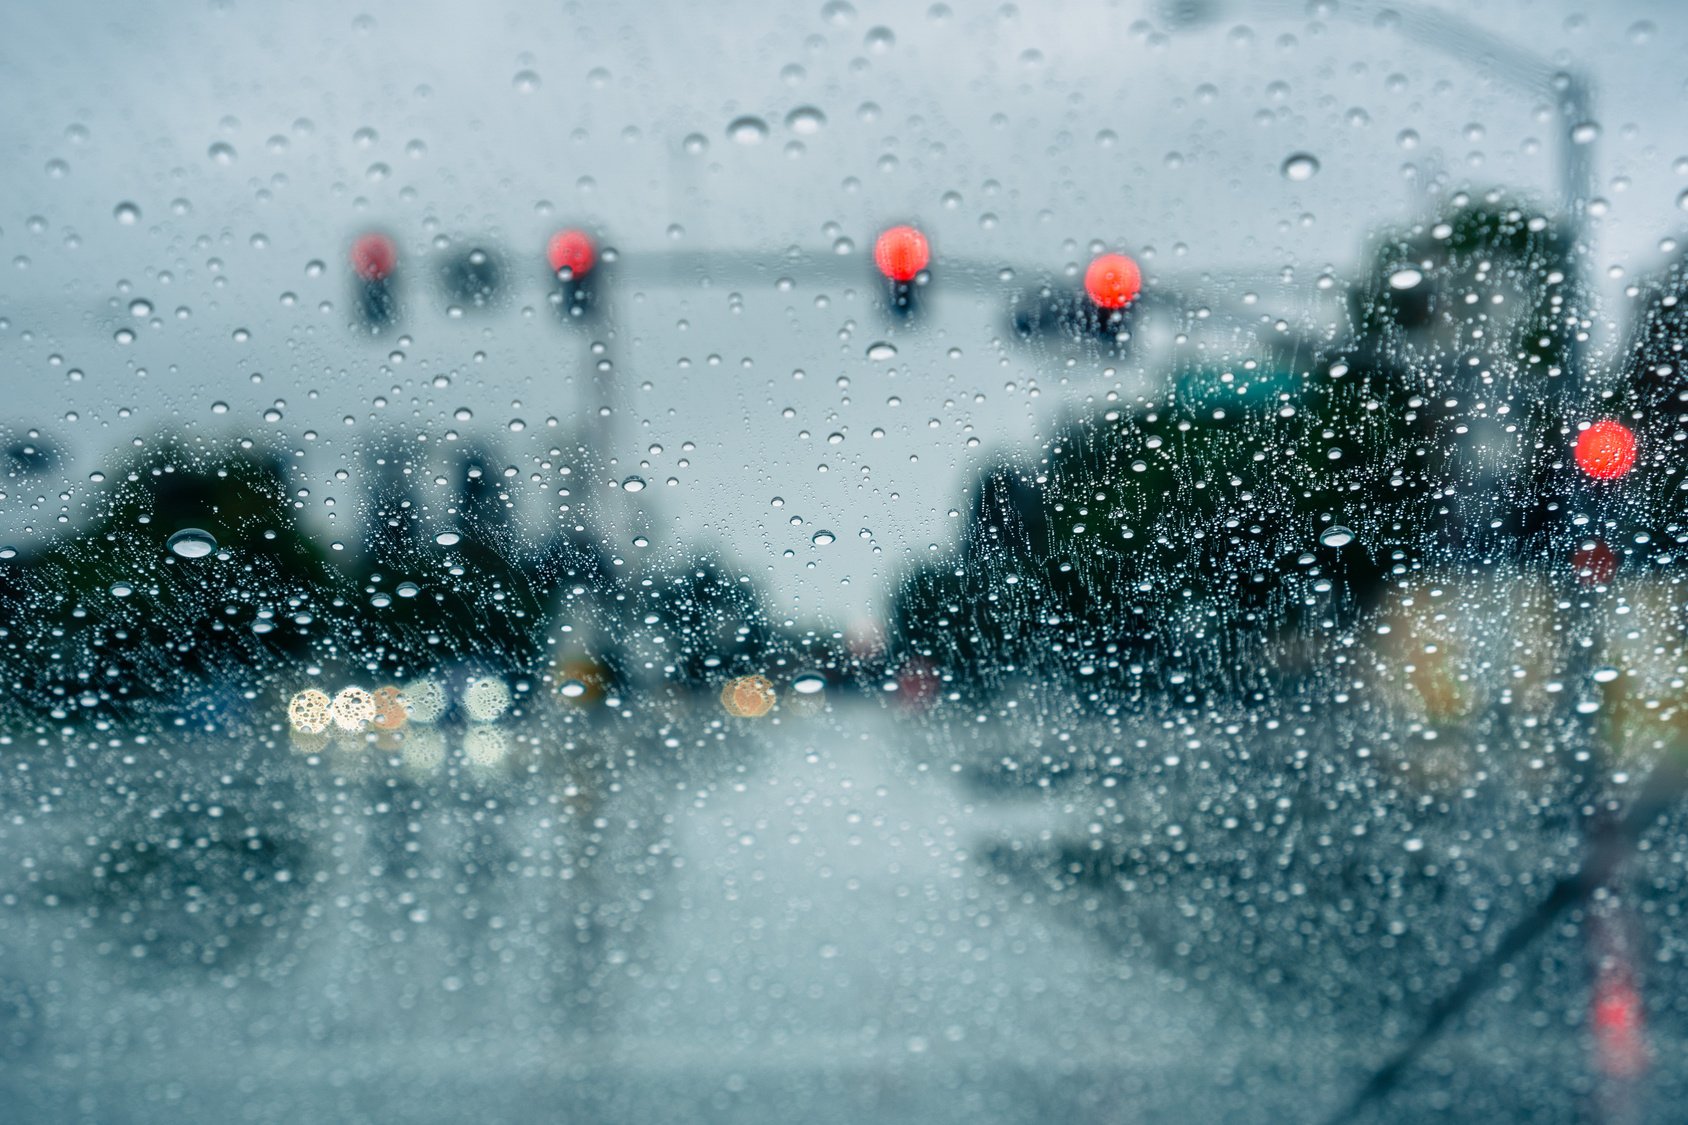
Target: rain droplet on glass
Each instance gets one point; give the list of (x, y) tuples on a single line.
[(191, 543), (1300, 166)]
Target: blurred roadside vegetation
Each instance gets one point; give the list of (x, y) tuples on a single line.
[(1279, 492), (1276, 492)]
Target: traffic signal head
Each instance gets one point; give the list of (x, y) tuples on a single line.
[(901, 254), (374, 257), (1112, 282), (571, 254), (472, 276)]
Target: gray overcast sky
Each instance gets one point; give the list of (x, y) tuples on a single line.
[(1013, 133)]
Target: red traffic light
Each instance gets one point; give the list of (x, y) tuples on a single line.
[(901, 253), (1606, 450), (1113, 281), (572, 250), (374, 256)]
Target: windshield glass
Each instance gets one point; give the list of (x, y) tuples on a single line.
[(843, 562)]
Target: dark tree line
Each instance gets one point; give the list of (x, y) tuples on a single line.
[(109, 617)]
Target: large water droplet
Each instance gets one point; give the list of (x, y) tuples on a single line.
[(808, 683), (879, 351), (572, 689), (191, 543), (1300, 166), (805, 120), (127, 214), (121, 589), (1605, 674), (822, 538), (448, 539), (1337, 536), (748, 130), (633, 484), (1405, 278)]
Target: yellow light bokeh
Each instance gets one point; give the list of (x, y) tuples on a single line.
[(749, 697), (308, 711), (353, 709)]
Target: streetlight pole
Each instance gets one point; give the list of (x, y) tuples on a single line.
[(1465, 42)]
